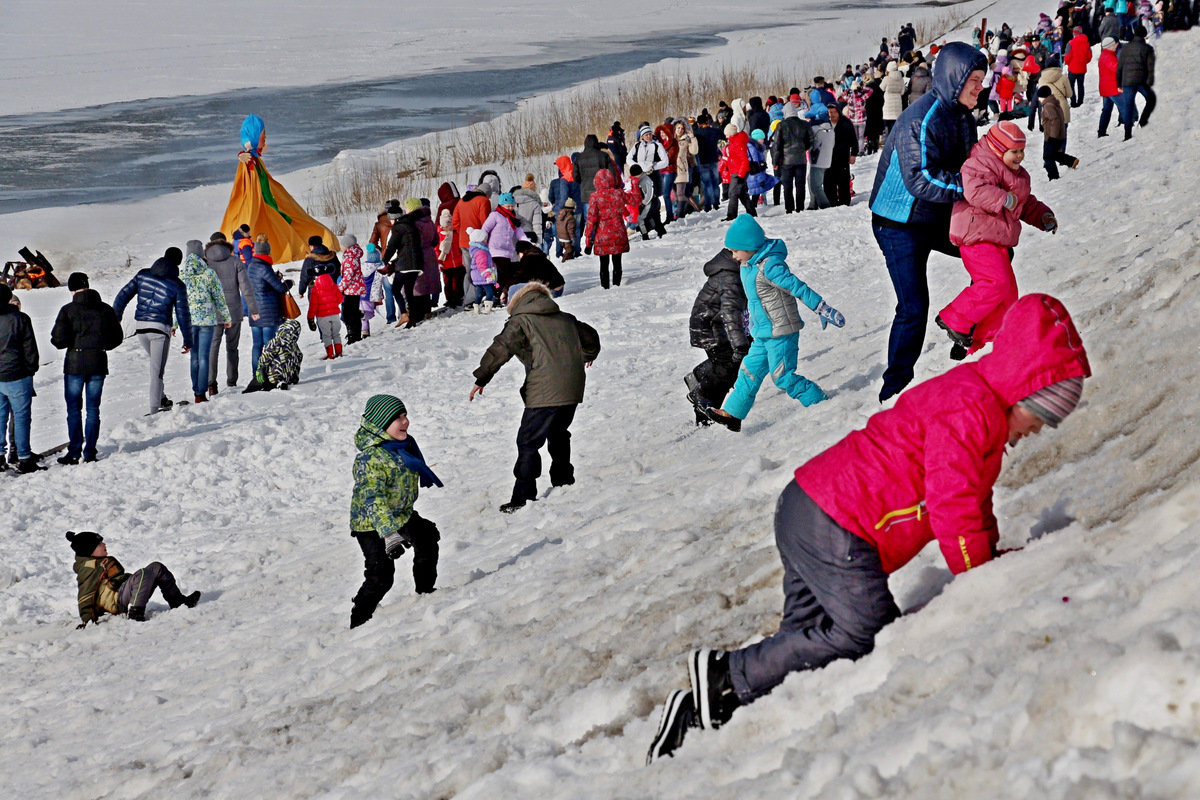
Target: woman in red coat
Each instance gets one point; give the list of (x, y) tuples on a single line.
[(605, 227), (919, 472), (665, 133)]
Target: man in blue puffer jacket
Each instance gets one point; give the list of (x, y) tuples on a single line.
[(771, 293), (916, 184), (159, 292)]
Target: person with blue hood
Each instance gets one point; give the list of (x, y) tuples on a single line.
[(771, 291), (916, 184), (160, 292)]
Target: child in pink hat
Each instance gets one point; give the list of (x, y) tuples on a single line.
[(985, 224)]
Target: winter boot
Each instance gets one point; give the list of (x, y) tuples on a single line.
[(328, 353), (201, 398), (723, 418), (212, 389), (712, 689), (812, 395), (679, 714), (192, 599), (137, 614), (28, 465), (68, 460), (165, 403), (512, 505), (337, 351), (962, 339)]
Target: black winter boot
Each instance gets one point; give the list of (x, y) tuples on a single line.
[(711, 687), (137, 614)]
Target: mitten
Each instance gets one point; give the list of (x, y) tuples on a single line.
[(1049, 223), (829, 314), (1010, 201), (587, 251), (312, 324), (394, 544), (288, 284)]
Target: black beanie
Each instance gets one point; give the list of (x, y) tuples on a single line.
[(84, 543), (77, 281), (5, 294), (174, 256)]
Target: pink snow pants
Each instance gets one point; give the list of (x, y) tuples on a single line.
[(993, 290)]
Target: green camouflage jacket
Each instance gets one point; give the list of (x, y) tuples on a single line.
[(384, 489)]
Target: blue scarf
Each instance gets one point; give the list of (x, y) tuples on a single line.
[(410, 454)]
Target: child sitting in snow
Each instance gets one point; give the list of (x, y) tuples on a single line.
[(388, 471), (771, 292), (324, 308), (483, 271), (105, 587), (985, 224), (279, 364)]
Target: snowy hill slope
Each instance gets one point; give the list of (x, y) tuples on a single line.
[(1064, 670)]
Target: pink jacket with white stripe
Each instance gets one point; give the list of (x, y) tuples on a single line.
[(924, 469)]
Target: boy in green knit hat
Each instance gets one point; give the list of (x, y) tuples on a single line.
[(388, 471)]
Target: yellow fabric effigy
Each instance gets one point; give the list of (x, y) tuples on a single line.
[(261, 202)]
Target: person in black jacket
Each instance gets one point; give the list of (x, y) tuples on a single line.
[(18, 363), (716, 326), (616, 144), (845, 151), (319, 261), (534, 265), (588, 162), (757, 119), (1135, 75), (406, 261), (86, 328), (789, 148)]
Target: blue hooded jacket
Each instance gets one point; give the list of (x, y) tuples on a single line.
[(158, 290), (918, 179), (771, 292)]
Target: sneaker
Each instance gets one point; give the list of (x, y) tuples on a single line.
[(712, 689), (679, 714), (963, 339), (721, 418), (68, 460)]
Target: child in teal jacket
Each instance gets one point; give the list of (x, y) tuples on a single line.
[(388, 470), (771, 292)]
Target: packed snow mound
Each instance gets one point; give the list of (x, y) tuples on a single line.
[(1064, 670)]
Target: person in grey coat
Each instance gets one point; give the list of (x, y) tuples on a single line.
[(235, 282)]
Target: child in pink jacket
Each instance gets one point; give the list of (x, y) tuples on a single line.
[(985, 225)]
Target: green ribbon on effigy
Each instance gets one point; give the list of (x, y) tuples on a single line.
[(266, 189)]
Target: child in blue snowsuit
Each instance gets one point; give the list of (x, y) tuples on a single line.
[(771, 292)]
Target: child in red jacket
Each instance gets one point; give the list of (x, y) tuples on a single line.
[(985, 224), (324, 310)]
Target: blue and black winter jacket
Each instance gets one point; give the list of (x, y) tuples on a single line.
[(268, 291), (159, 291), (918, 178)]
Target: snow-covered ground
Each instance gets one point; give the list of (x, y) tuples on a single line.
[(1065, 670)]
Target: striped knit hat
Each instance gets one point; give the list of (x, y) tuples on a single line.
[(1006, 135), (382, 409), (1054, 402)]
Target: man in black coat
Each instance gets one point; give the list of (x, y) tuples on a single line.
[(18, 363), (86, 328), (1135, 75), (588, 162), (717, 327), (789, 147), (845, 151)]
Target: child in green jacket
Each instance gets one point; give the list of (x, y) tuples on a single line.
[(106, 588), (388, 470)]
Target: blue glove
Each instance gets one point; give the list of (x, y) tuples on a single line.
[(829, 314)]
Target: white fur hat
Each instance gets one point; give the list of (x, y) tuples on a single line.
[(476, 235)]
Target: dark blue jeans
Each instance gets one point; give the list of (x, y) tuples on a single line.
[(261, 336), (1109, 103), (906, 251), (202, 339), (835, 599), (710, 182), (1128, 107), (82, 440), (1076, 81), (17, 397)]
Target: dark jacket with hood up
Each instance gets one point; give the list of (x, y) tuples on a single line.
[(552, 344), (917, 180), (791, 143), (717, 314), (588, 162), (86, 328), (235, 280)]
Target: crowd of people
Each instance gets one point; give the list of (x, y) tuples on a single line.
[(919, 471)]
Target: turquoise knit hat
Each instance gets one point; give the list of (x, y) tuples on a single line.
[(745, 234), (382, 409)]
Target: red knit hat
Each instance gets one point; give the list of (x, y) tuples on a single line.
[(1006, 135)]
